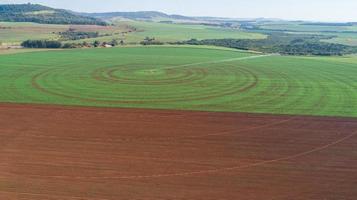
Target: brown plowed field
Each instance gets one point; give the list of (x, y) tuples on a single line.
[(68, 153)]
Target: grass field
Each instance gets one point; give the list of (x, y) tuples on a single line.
[(178, 32), (186, 78)]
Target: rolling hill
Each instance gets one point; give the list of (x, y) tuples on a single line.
[(43, 14), (140, 15)]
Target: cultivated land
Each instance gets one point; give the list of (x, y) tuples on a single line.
[(66, 153), (13, 33), (179, 32), (184, 78)]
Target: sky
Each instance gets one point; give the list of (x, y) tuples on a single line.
[(313, 10)]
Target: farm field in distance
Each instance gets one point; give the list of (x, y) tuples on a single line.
[(178, 32), (13, 33), (342, 34)]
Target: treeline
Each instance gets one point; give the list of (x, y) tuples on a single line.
[(41, 44), (316, 48), (45, 15), (56, 44), (289, 44), (77, 35)]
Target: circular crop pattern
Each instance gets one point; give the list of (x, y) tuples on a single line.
[(143, 84), (184, 78)]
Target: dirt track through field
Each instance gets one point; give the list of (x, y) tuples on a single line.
[(69, 153)]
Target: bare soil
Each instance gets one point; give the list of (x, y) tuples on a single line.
[(80, 153)]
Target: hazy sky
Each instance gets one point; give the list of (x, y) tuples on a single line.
[(321, 10)]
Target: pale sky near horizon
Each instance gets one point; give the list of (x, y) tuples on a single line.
[(315, 10)]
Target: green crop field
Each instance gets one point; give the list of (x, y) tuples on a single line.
[(15, 33), (189, 78), (178, 32)]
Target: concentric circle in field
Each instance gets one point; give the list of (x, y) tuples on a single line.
[(132, 83), (182, 78)]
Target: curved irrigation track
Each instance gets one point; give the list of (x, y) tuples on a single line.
[(117, 78), (56, 152)]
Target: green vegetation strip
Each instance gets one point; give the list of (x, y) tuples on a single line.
[(185, 78)]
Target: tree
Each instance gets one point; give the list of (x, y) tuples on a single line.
[(41, 44), (96, 43)]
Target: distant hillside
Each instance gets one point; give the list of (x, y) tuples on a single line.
[(141, 15), (42, 14), (160, 16)]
